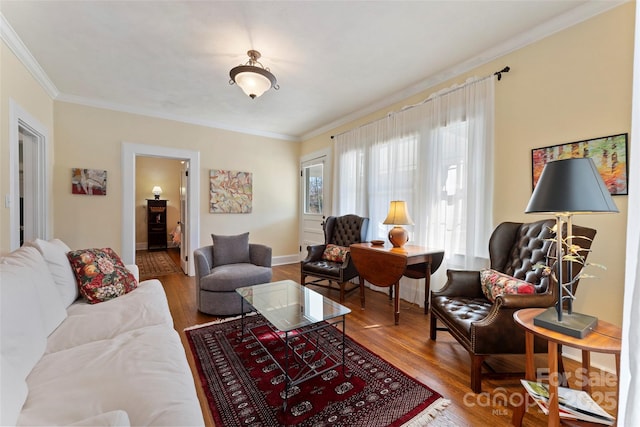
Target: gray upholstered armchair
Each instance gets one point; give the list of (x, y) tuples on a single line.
[(341, 231), (487, 328), (230, 263)]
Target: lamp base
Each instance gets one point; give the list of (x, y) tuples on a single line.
[(575, 324), (398, 236), (156, 196)]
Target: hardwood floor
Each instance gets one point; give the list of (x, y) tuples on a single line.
[(442, 365)]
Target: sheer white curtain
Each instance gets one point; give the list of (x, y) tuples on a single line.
[(438, 157)]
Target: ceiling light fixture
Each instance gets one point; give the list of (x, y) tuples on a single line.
[(253, 78)]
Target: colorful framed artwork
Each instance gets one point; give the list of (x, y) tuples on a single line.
[(89, 181), (230, 191), (609, 153)]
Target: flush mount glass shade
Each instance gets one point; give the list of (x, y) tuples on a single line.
[(254, 81), (571, 186)]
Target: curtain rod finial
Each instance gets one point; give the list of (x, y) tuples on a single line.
[(504, 70)]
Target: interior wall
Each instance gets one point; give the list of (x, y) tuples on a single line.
[(92, 137), (165, 173), (18, 84), (571, 86)]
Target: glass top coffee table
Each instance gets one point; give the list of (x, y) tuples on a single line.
[(297, 316)]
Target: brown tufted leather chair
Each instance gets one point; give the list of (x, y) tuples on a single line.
[(484, 328), (342, 231)]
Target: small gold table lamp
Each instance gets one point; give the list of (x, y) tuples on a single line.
[(398, 216)]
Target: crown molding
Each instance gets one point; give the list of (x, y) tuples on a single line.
[(16, 45), (561, 22)]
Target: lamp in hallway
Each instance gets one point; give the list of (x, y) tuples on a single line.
[(253, 78), (157, 191), (568, 187), (397, 216)]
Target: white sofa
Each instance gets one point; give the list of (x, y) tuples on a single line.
[(66, 362)]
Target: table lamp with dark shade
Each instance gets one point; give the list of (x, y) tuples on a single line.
[(568, 187)]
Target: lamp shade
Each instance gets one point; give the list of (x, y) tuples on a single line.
[(571, 186), (398, 214), (253, 81)]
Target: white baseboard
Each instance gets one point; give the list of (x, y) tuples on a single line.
[(285, 259), (604, 362)]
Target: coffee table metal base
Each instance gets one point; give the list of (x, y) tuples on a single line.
[(306, 347)]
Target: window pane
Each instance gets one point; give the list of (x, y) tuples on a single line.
[(313, 189)]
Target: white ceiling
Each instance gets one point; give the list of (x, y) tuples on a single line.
[(334, 60)]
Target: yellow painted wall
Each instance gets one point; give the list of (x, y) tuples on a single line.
[(165, 173), (18, 84), (92, 137), (573, 85)]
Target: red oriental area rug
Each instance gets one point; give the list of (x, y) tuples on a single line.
[(245, 387)]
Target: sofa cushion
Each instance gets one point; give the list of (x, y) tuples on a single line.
[(226, 278), (54, 253), (146, 306), (13, 393), (335, 253), (230, 249), (101, 275), (495, 283), (37, 272), (143, 372), (21, 326), (107, 419)]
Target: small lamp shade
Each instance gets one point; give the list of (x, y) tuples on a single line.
[(397, 216), (157, 191), (571, 186)]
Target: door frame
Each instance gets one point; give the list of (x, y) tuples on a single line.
[(20, 118), (129, 153), (327, 191)]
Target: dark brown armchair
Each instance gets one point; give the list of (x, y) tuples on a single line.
[(341, 231), (484, 328)]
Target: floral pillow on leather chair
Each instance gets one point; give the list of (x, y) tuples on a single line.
[(495, 283), (335, 253)]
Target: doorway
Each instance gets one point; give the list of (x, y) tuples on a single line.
[(315, 185), (28, 167), (191, 231), (161, 199)]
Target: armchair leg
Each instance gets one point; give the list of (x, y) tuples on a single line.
[(476, 372), (433, 326), (302, 279), (342, 285)]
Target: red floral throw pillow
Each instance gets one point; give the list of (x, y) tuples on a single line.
[(100, 274), (495, 284), (335, 253)]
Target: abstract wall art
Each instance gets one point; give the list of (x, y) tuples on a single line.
[(230, 191)]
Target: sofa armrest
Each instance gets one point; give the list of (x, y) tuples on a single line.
[(260, 254), (516, 301), (461, 283), (133, 268), (314, 253)]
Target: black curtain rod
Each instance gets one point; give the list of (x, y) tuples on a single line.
[(506, 69)]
